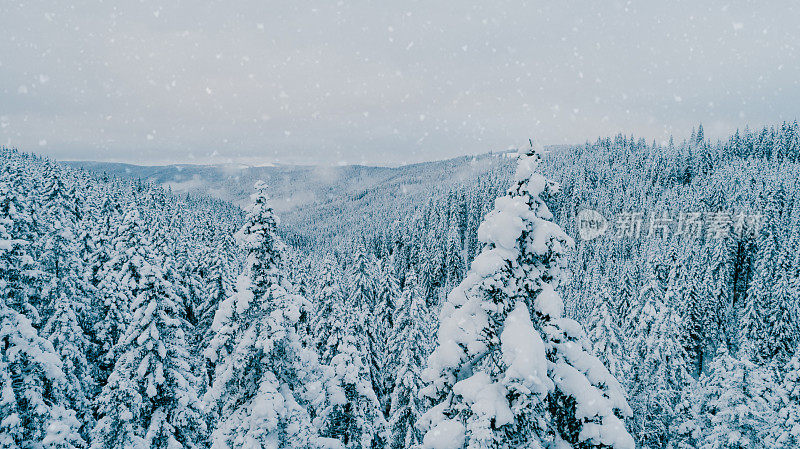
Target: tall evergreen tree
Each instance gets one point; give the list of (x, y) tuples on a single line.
[(782, 328), (34, 412), (787, 430), (381, 325), (718, 285), (328, 301), (408, 346), (66, 333), (121, 283), (697, 321), (264, 381), (756, 312), (355, 415), (150, 399), (659, 372), (729, 407), (606, 336), (509, 370)]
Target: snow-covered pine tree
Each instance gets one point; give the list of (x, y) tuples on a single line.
[(328, 301), (756, 311), (729, 407), (150, 399), (658, 362), (264, 381), (408, 346), (718, 286), (355, 415), (33, 409), (363, 299), (607, 339), (782, 328), (382, 324), (69, 304), (58, 245), (627, 297), (104, 218), (65, 331), (455, 267), (121, 283), (189, 273), (509, 370), (22, 284), (697, 320), (218, 276), (786, 432)]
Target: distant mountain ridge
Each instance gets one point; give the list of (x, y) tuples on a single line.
[(305, 195)]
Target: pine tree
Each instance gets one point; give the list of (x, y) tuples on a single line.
[(729, 407), (69, 292), (787, 429), (59, 245), (606, 337), (509, 370), (627, 301), (408, 348), (658, 362), (218, 279), (697, 322), (121, 283), (20, 271), (33, 410), (150, 399), (782, 328), (355, 415), (719, 289), (328, 327), (65, 332), (756, 312), (381, 328), (455, 267), (264, 381), (363, 298)]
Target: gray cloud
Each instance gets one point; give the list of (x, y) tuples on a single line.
[(382, 82)]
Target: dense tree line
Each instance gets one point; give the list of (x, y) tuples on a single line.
[(659, 309), (132, 317)]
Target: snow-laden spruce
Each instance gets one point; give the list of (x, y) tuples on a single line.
[(606, 336), (34, 412), (328, 301), (150, 400), (355, 416), (787, 432), (509, 370), (264, 381), (69, 295), (121, 281), (729, 407), (658, 367), (408, 346)]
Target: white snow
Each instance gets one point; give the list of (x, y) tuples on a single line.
[(485, 397), (448, 434), (548, 302), (523, 352)]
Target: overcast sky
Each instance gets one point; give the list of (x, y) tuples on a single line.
[(382, 82)]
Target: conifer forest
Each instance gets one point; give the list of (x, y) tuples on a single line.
[(399, 224), (133, 316)]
